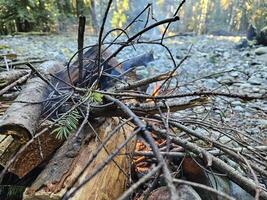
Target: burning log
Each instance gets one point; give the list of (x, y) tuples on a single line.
[(71, 160)]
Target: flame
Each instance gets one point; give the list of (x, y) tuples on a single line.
[(156, 89)]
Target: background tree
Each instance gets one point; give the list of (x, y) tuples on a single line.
[(199, 16)]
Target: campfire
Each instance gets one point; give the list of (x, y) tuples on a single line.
[(92, 129)]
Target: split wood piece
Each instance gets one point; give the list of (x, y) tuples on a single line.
[(41, 149), (70, 160), (9, 77), (21, 119)]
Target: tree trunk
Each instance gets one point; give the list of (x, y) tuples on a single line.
[(94, 22)]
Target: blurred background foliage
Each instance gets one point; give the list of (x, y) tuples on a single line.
[(199, 16)]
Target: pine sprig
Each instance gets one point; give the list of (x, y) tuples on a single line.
[(67, 124), (93, 97)]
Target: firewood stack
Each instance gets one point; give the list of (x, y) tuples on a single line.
[(89, 130)]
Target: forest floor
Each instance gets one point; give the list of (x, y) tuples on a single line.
[(214, 63)]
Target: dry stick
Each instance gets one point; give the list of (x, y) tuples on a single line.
[(147, 136), (100, 38), (142, 82), (106, 150), (254, 176), (81, 29), (205, 93), (84, 120), (167, 154), (101, 166), (7, 67), (175, 67), (19, 81), (205, 187), (145, 178), (42, 77), (22, 62), (246, 183), (215, 127), (133, 21)]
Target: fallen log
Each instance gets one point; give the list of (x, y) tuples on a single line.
[(21, 118), (71, 159), (20, 122)]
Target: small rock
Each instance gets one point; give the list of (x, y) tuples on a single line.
[(184, 192), (254, 131), (235, 74), (236, 103), (255, 81), (261, 51), (262, 123), (238, 109)]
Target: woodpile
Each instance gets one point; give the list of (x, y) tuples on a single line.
[(92, 130)]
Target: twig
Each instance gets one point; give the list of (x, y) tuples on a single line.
[(22, 62), (147, 81), (7, 67), (81, 29), (15, 83), (176, 12), (100, 38), (42, 77)]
